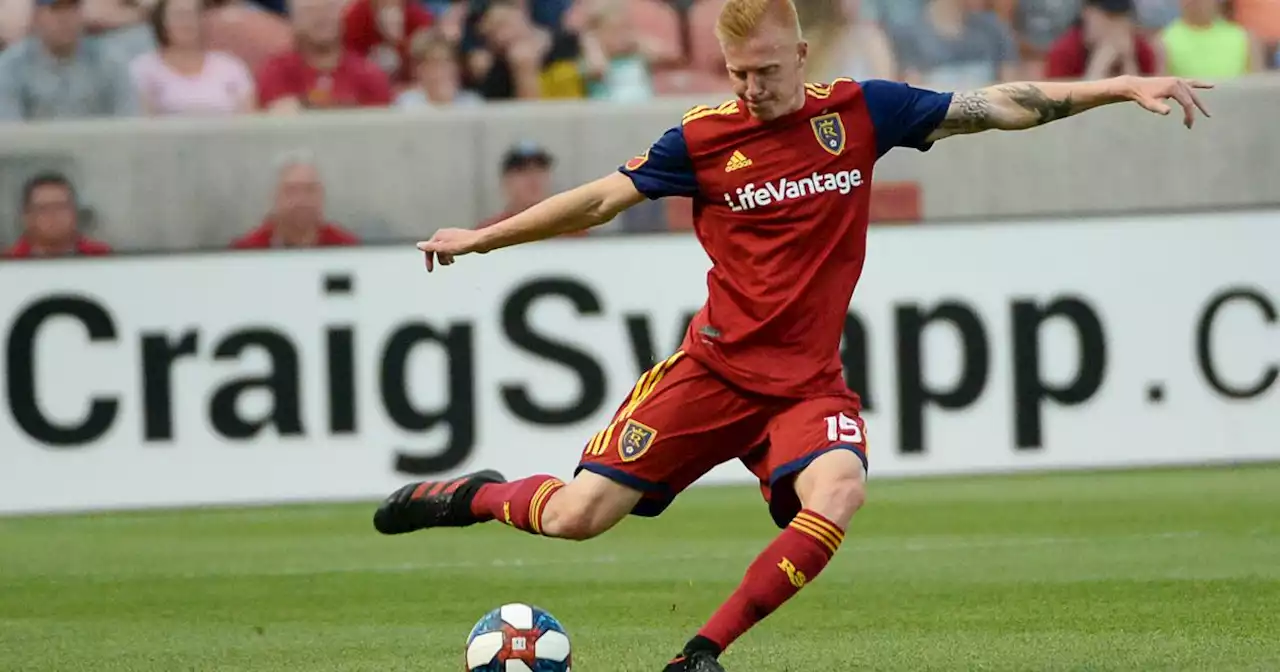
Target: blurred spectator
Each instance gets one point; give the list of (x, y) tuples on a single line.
[(526, 181), (520, 59), (183, 77), (318, 72), (435, 65), (122, 27), (246, 31), (380, 30), (51, 221), (1262, 19), (15, 19), (1203, 44), (297, 214), (956, 46), (1038, 24), (1104, 42), (56, 73), (616, 59), (844, 43)]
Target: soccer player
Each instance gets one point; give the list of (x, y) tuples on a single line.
[(780, 177)]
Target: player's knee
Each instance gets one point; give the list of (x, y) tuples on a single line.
[(833, 486), (587, 507)]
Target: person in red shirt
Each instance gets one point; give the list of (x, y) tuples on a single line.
[(297, 215), (318, 72), (51, 221), (380, 30), (1105, 42), (526, 181), (780, 178)]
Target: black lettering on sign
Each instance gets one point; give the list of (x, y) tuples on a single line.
[(21, 384), (458, 413), (159, 353), (1030, 390), (515, 323), (1204, 334), (913, 395), (855, 357), (341, 356), (280, 383)]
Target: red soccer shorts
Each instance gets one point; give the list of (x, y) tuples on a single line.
[(681, 420)]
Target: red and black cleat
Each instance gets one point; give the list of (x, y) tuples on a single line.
[(418, 506), (699, 661)]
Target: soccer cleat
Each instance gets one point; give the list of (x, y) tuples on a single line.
[(425, 504), (698, 661)]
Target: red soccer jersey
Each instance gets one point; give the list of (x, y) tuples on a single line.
[(356, 82), (781, 208)]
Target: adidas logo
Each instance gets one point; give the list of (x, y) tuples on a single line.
[(737, 162)]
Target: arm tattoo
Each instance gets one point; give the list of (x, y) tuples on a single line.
[(974, 111), (970, 112), (1029, 97)]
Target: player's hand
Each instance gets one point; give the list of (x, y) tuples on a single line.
[(1151, 92), (447, 244)]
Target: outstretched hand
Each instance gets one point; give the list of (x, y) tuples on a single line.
[(446, 244), (1151, 92)]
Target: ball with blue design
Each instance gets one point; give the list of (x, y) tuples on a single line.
[(518, 638)]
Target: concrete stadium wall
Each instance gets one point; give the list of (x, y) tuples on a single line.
[(177, 183)]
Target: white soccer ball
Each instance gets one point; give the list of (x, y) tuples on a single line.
[(518, 638)]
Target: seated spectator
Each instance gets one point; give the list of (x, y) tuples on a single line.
[(617, 63), (183, 77), (1105, 42), (526, 181), (297, 213), (520, 59), (15, 19), (1203, 44), (439, 83), (121, 27), (1262, 19), (956, 47), (1038, 24), (56, 73), (318, 72), (844, 43), (51, 221), (246, 31), (380, 30)]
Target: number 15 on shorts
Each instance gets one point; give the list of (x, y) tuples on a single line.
[(844, 429)]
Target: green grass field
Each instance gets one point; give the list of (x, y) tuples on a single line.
[(1156, 570)]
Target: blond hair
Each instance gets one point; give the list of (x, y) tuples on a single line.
[(739, 19)]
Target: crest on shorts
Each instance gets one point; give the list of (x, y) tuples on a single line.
[(634, 441), (634, 164), (829, 130)]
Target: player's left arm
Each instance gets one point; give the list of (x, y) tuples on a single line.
[(1022, 105)]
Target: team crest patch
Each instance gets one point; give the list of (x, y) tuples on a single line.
[(634, 164), (829, 130), (635, 440)]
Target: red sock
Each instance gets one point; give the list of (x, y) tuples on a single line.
[(793, 560), (518, 504)]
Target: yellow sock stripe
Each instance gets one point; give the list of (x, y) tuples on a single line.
[(835, 532), (822, 537), (538, 502)]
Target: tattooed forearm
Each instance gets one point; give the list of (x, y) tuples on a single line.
[(970, 112), (1033, 99)]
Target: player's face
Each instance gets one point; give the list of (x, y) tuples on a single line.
[(767, 70)]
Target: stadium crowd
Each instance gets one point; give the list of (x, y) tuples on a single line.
[(76, 59)]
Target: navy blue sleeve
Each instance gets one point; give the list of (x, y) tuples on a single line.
[(665, 169), (903, 116)]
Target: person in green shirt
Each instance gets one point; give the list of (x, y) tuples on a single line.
[(1204, 44)]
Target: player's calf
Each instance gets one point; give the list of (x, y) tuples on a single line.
[(587, 507)]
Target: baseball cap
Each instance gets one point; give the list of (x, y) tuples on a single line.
[(526, 153), (1113, 6)]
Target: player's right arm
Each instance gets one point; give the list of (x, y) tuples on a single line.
[(664, 170)]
